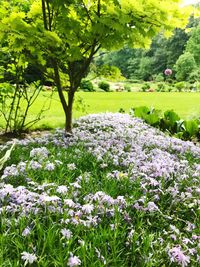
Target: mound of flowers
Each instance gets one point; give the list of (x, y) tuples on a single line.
[(116, 193)]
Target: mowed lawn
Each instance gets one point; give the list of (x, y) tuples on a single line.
[(185, 104)]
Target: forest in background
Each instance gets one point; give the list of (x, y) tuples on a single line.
[(180, 52)]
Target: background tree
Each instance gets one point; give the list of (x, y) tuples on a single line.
[(193, 44), (67, 34), (184, 66)]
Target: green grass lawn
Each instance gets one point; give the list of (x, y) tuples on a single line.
[(185, 104)]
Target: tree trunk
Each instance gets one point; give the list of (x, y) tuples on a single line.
[(68, 121), (67, 108)]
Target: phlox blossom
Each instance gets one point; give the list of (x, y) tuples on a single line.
[(28, 257), (73, 261)]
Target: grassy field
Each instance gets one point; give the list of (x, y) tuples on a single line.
[(185, 104)]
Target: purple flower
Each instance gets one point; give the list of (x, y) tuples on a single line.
[(177, 255), (50, 166), (66, 233), (151, 206), (26, 231), (168, 72), (73, 261)]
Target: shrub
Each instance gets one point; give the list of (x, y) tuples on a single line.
[(159, 77), (87, 86), (104, 86), (150, 116), (134, 81), (121, 110), (184, 66), (15, 104), (127, 88), (169, 122), (145, 87), (194, 76), (160, 87), (180, 86)]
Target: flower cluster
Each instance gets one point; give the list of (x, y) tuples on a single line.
[(116, 192)]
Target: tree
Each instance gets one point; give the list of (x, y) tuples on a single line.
[(145, 69), (118, 58), (193, 44), (184, 66), (66, 34)]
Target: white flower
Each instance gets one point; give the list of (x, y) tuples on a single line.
[(62, 189), (28, 257), (71, 166), (73, 261)]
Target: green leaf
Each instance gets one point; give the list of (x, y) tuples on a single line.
[(6, 156)]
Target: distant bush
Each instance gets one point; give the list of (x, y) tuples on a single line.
[(121, 110), (87, 86), (127, 88), (112, 73), (169, 89), (134, 81), (104, 86), (159, 77), (184, 66), (160, 87), (194, 76), (145, 87), (180, 86)]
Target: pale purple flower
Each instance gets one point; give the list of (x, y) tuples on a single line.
[(178, 256), (70, 203), (26, 231), (10, 171), (22, 166), (73, 261), (66, 233), (88, 208), (151, 206), (62, 189), (75, 185), (39, 153), (28, 257), (50, 166), (192, 251), (168, 72), (34, 165)]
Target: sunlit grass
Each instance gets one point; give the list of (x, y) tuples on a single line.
[(185, 104)]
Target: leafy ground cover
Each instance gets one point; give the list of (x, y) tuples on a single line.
[(116, 193), (185, 104)]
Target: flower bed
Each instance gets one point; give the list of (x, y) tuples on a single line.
[(117, 193)]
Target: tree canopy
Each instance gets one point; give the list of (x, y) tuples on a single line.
[(65, 34)]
